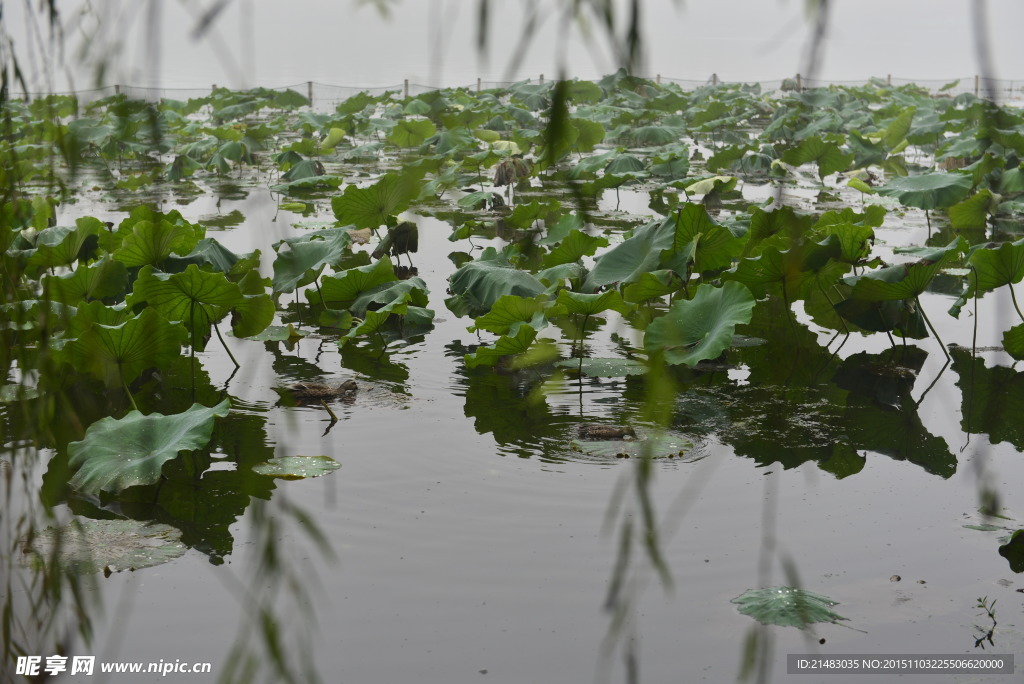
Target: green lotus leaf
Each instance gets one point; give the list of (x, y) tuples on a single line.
[(590, 134), (624, 163), (928, 191), (118, 353), (151, 242), (991, 268), (647, 444), (101, 279), (61, 245), (334, 136), (304, 168), (212, 254), (411, 132), (341, 289), (507, 345), (412, 290), (1013, 341), (10, 394), (787, 606), (297, 467), (524, 215), (710, 185), (652, 285), (574, 247), (974, 211), (829, 158), (374, 320), (653, 136), (626, 261), (604, 367), (697, 236), (782, 221), (477, 285), (592, 304), (90, 546), (701, 328), (131, 451), (306, 256), (1013, 551), (200, 299), (906, 281), (511, 311), (376, 205), (790, 272), (1012, 181)]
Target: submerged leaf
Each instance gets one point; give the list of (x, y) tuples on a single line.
[(297, 467)]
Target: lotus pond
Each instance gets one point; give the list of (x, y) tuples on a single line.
[(559, 382)]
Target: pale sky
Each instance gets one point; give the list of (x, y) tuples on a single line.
[(433, 42)]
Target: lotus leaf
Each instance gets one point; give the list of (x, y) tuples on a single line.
[(101, 279), (477, 285), (906, 281), (118, 353), (928, 191), (1013, 551), (828, 156), (604, 367), (131, 451), (91, 546), (702, 328), (341, 289), (787, 606), (306, 257), (507, 345), (510, 311), (377, 204), (297, 467)]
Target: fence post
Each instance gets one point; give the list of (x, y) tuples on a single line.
[(309, 92), (799, 84), (977, 84), (888, 80), (714, 79), (542, 79), (407, 88), (213, 88), (117, 90), (658, 79), (478, 84)]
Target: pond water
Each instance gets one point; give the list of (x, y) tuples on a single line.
[(465, 539)]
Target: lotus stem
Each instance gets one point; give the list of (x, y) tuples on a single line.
[(931, 327), (226, 348), (322, 302), (1013, 296), (334, 418), (128, 392)]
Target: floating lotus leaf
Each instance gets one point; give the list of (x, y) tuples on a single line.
[(90, 546), (131, 451), (341, 289), (787, 606), (279, 333), (604, 367), (297, 467), (654, 445)]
